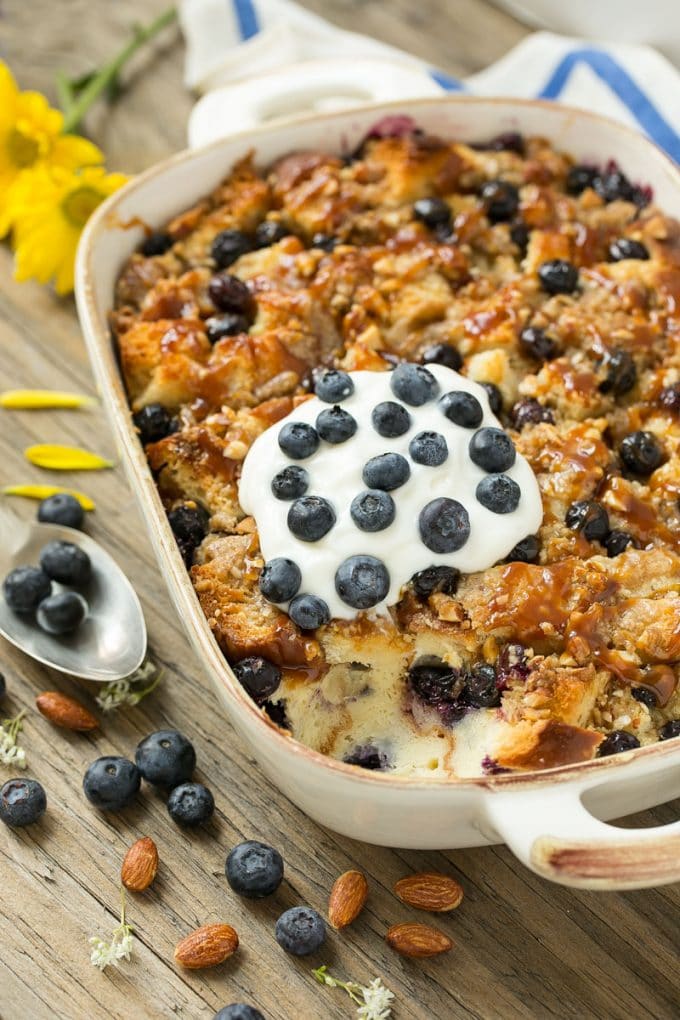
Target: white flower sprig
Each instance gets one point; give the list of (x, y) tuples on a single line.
[(374, 1000), (119, 948), (10, 752), (131, 689)]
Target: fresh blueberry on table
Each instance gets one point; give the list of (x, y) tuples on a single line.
[(66, 563), (298, 440), (228, 246), (333, 386), (62, 508), (154, 423), (230, 294), (254, 870), (22, 802), (290, 483), (536, 343), (435, 579), (259, 677), (165, 758), (310, 518), (300, 931), (589, 517), (525, 551), (191, 804), (462, 409), (621, 372), (492, 450), (641, 453), (238, 1011), (156, 244), (270, 232), (429, 449), (414, 384), (362, 581), (627, 248), (61, 613), (444, 525), (111, 783), (390, 419), (372, 510), (500, 200), (228, 324), (335, 425), (433, 212), (309, 612), (617, 741), (558, 276), (25, 587), (387, 471), (280, 579), (499, 494)]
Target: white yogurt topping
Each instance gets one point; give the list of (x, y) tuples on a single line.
[(335, 473)]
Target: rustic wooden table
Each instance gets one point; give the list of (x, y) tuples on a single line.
[(524, 947)]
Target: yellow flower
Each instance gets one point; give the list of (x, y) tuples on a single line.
[(49, 208), (30, 136)]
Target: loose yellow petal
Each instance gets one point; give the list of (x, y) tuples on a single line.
[(44, 491), (65, 458), (29, 400)]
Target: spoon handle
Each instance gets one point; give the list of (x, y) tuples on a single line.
[(13, 530)]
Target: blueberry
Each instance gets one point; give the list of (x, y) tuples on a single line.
[(22, 802), (617, 542), (367, 756), (191, 804), (228, 246), (254, 870), (386, 471), (500, 200), (259, 677), (462, 409), (481, 689), (333, 386), (156, 244), (165, 758), (536, 343), (335, 425), (362, 581), (390, 419), (581, 177), (442, 354), (25, 587), (300, 931), (441, 687), (238, 1010), (414, 384), (228, 324), (428, 448), (492, 450), (309, 612), (617, 741), (499, 494), (613, 185), (269, 232), (66, 563), (62, 508), (519, 235), (189, 523), (280, 579), (558, 276), (230, 294), (111, 783), (276, 710), (641, 452), (298, 440), (589, 517), (3, 686), (310, 518), (627, 248), (435, 579), (525, 551), (621, 373), (669, 398), (372, 510), (530, 411), (290, 483), (433, 212), (62, 613), (646, 696), (444, 525), (325, 241), (506, 141), (154, 423), (495, 397), (670, 730)]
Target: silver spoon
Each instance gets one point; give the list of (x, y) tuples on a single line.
[(110, 643)]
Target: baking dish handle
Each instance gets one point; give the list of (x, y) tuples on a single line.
[(553, 833), (314, 86)]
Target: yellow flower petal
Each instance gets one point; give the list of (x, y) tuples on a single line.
[(44, 491), (65, 458), (29, 400)]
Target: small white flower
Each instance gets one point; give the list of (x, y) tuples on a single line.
[(10, 752), (377, 999), (131, 689), (119, 948)]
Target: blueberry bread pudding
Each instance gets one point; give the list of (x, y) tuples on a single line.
[(414, 414)]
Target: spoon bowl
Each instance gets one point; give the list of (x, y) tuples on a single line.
[(110, 643)]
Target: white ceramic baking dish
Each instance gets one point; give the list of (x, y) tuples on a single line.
[(552, 820)]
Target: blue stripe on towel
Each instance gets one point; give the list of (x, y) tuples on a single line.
[(246, 17), (628, 91), (446, 82)]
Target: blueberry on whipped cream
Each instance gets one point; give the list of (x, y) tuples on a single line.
[(406, 473)]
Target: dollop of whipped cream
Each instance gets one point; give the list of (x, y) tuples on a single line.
[(460, 496)]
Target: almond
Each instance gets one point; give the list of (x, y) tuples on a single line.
[(347, 899), (140, 865), (417, 940), (428, 890), (207, 946), (62, 710)]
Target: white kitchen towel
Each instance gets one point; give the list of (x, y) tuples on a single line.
[(231, 40)]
